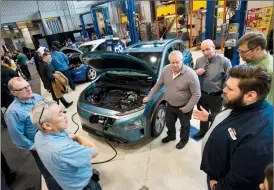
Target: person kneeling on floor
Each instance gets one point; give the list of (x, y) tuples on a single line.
[(66, 156)]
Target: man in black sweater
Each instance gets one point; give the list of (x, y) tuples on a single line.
[(239, 143)]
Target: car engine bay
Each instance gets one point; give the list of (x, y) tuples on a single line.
[(122, 94), (75, 62), (116, 99)]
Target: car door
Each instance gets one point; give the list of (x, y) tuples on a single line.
[(167, 52)]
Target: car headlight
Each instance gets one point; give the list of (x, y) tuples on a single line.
[(137, 124), (141, 108)]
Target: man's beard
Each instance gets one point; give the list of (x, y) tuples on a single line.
[(236, 103)]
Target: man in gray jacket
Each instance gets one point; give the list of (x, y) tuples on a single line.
[(212, 70), (182, 94)]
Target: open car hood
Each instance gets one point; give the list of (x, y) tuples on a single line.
[(110, 61), (71, 51), (67, 50)]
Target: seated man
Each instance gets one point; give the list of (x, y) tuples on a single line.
[(66, 156)]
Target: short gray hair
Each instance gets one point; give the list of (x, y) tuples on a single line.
[(176, 52), (208, 41), (37, 111), (14, 80)]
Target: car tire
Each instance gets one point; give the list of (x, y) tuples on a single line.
[(91, 74), (159, 121)]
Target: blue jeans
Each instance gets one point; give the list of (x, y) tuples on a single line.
[(50, 181), (68, 75)]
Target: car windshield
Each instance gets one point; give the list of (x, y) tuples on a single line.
[(86, 48), (153, 59)]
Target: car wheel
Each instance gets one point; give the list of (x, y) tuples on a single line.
[(159, 120), (91, 74)]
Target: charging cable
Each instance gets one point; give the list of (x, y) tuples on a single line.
[(103, 132)]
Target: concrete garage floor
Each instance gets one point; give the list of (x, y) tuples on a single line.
[(150, 164)]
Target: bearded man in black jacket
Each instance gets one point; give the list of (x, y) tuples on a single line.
[(239, 143)]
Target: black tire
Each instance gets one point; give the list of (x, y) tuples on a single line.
[(158, 125), (91, 74)]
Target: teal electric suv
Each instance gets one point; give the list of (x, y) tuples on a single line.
[(112, 104)]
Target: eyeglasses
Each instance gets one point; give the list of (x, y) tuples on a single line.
[(242, 51), (21, 89), (42, 115)]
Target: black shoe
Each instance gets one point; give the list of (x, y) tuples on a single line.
[(11, 178), (199, 135), (68, 104), (65, 103), (167, 139), (181, 144)]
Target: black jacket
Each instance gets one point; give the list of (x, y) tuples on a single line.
[(45, 73), (6, 75), (238, 163), (37, 60)]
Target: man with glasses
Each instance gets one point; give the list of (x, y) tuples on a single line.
[(20, 127), (182, 94), (252, 49), (67, 156), (212, 70)]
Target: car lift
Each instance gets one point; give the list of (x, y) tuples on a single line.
[(94, 20), (235, 29), (130, 15)]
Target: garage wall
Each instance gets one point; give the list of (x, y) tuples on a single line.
[(146, 12), (258, 4), (15, 11)]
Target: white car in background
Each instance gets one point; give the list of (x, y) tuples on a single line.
[(95, 45)]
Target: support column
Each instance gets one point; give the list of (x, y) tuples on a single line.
[(84, 31), (211, 20), (131, 21), (240, 17), (95, 23), (47, 31)]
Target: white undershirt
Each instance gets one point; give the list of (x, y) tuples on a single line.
[(175, 75)]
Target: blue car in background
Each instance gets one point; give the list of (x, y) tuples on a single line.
[(112, 104), (79, 71)]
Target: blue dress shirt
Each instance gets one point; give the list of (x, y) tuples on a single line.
[(66, 160), (20, 127), (59, 61)]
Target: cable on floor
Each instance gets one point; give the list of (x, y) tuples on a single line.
[(103, 132)]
